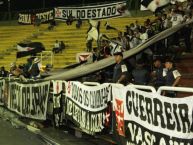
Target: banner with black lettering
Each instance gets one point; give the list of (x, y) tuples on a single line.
[(87, 106), (29, 99), (152, 119), (103, 11), (45, 16), (2, 91)]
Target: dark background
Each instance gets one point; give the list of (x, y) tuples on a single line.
[(22, 5)]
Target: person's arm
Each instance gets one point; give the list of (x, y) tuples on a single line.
[(121, 78), (124, 73), (176, 81)]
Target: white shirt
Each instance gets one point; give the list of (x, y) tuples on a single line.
[(56, 45), (143, 37), (176, 19)]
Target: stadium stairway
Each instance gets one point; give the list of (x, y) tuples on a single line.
[(185, 67), (10, 36)]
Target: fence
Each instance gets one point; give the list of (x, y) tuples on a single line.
[(136, 114)]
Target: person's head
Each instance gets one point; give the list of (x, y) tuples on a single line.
[(2, 68), (56, 41), (140, 63), (118, 57), (95, 49), (169, 64), (132, 25), (130, 32), (164, 16), (120, 34), (143, 29), (107, 51), (157, 63), (13, 66)]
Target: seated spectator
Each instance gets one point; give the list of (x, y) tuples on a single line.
[(79, 23), (16, 72), (140, 74), (3, 72), (58, 47), (69, 20)]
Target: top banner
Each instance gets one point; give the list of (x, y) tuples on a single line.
[(29, 17), (92, 12)]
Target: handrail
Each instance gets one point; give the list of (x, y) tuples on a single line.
[(150, 88), (176, 89), (91, 83)]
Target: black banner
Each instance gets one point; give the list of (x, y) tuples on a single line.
[(45, 16)]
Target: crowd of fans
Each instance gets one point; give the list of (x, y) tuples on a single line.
[(155, 65), (143, 67), (135, 33)]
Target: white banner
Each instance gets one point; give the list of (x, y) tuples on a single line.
[(150, 117), (29, 100), (92, 12), (92, 98), (86, 106)]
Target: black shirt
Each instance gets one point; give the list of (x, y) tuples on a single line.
[(141, 76), (159, 74), (119, 70)]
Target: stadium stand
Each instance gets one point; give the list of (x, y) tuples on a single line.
[(75, 39)]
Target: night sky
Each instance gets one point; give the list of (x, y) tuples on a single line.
[(20, 5)]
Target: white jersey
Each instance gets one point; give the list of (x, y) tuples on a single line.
[(143, 37), (176, 19)]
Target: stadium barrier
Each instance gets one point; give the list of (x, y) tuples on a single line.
[(135, 114)]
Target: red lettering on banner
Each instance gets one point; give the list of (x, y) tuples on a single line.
[(119, 113)]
